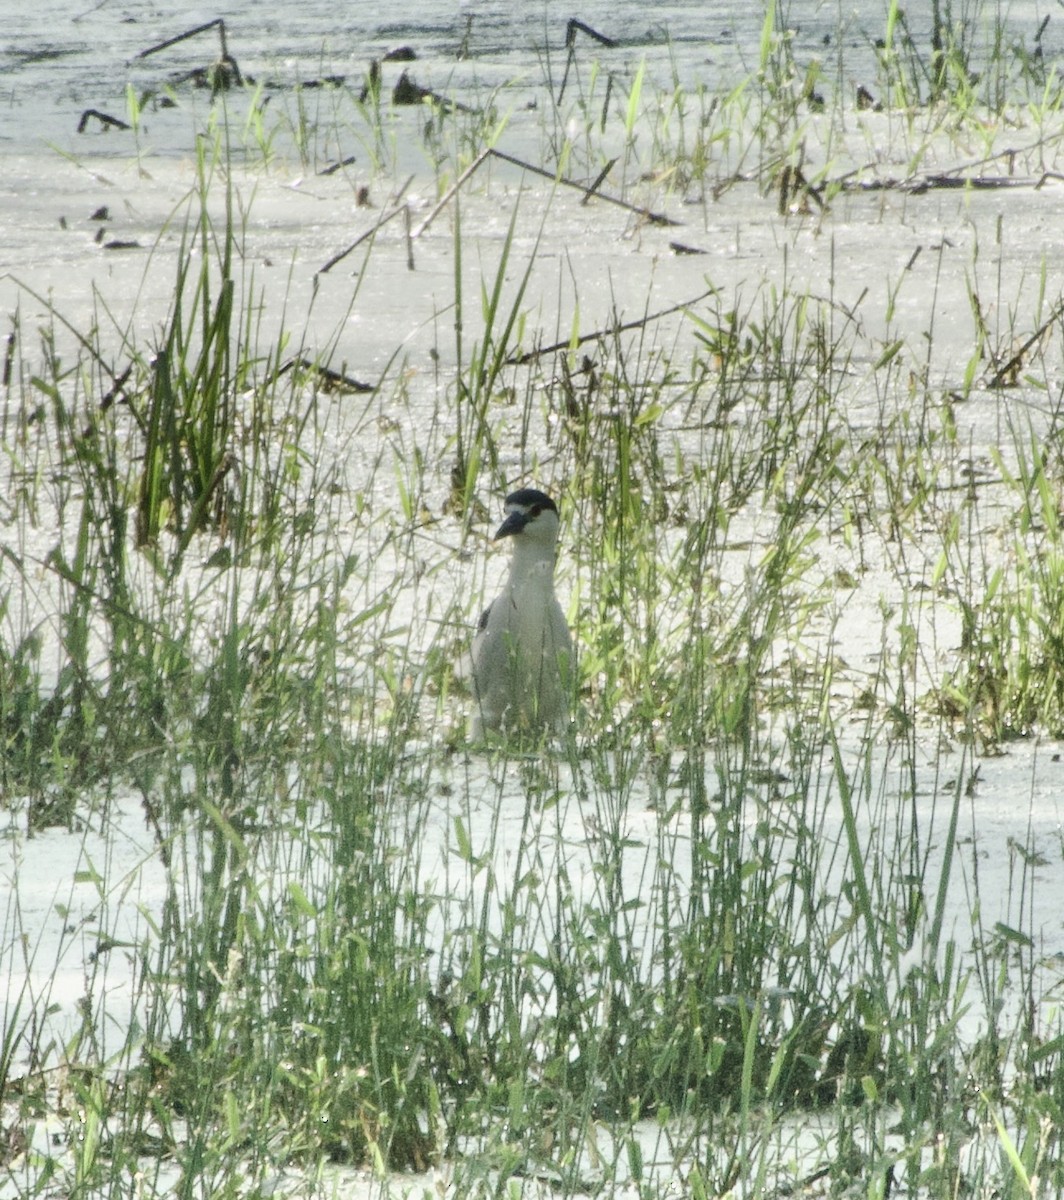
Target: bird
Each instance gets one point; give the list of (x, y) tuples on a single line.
[(522, 649)]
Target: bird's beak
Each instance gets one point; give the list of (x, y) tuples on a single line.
[(515, 521)]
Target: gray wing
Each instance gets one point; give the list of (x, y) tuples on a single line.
[(490, 665)]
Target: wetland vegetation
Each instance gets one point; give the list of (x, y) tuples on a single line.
[(781, 912)]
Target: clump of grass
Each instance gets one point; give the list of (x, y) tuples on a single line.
[(721, 902), (189, 416), (1009, 679)]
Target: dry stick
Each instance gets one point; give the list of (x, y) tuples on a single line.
[(919, 185), (398, 195), (189, 33), (117, 388), (449, 194), (598, 182), (332, 168), (606, 103), (329, 377), (409, 241), (520, 360), (654, 217), (105, 119), (95, 8), (571, 31), (9, 359), (576, 26), (683, 248), (914, 182), (1013, 364), (947, 181), (1009, 152), (840, 181), (342, 254), (571, 52)]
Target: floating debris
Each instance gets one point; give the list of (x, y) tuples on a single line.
[(571, 30), (866, 102), (105, 119), (408, 91), (330, 380), (332, 168), (221, 75)]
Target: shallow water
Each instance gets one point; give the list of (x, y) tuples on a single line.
[(594, 263), (59, 59)]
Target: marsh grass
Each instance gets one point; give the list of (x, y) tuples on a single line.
[(720, 912)]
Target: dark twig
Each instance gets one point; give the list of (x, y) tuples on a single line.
[(1007, 373), (962, 175), (105, 119), (117, 389), (408, 91), (9, 358), (339, 257), (574, 27), (655, 218), (571, 30), (449, 194), (520, 360), (947, 181), (330, 380), (327, 81), (221, 75), (606, 103), (218, 23), (598, 181), (332, 168)]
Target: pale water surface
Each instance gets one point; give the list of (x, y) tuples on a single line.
[(68, 899), (58, 59)]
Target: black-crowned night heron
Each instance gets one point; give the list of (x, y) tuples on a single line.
[(522, 650)]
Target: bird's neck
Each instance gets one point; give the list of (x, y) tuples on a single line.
[(532, 563)]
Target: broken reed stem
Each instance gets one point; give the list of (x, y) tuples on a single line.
[(654, 217), (330, 379), (448, 196), (571, 30), (520, 360), (599, 179), (1006, 372), (342, 254), (189, 33)]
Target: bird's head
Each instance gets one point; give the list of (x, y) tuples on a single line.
[(530, 515)]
